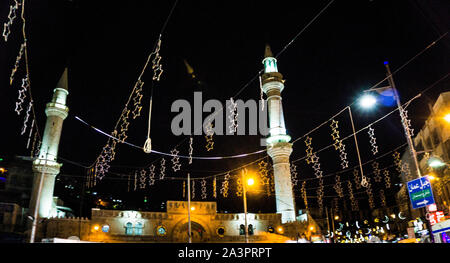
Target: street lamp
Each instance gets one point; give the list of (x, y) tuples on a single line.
[(249, 182), (367, 101), (435, 162), (447, 117)]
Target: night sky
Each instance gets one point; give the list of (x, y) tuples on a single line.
[(105, 45)]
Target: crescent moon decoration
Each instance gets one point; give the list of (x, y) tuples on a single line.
[(370, 231), (340, 227), (387, 219), (400, 216), (357, 225), (348, 234)]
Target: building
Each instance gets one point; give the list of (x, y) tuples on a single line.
[(117, 226)]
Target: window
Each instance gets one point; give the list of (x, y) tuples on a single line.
[(138, 229), (242, 230), (250, 229), (129, 228)]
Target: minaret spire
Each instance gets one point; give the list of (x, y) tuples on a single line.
[(45, 166), (278, 146)]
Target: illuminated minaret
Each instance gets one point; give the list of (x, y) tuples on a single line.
[(45, 166), (278, 146)]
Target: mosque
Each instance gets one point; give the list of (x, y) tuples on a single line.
[(171, 226)]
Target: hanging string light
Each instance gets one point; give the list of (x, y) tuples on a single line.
[(156, 66), (193, 189), (335, 206), (27, 116), (191, 149), (338, 145), (376, 171), (387, 178), (294, 179), (162, 172), (16, 65), (407, 171), (225, 183), (320, 195), (407, 122), (203, 184), (142, 179), (356, 179), (397, 161), (354, 202), (239, 187), (184, 189), (232, 116), (30, 133), (22, 95), (304, 196), (373, 140), (215, 187), (176, 166), (11, 17), (370, 194), (338, 187), (137, 98), (151, 175), (261, 93), (209, 136), (382, 198)]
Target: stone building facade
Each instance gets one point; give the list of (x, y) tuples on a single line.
[(115, 226)]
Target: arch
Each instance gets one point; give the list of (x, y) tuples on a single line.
[(200, 231)]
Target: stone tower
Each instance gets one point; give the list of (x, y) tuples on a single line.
[(278, 146), (45, 166)]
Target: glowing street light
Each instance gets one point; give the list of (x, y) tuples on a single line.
[(447, 117), (435, 162), (367, 101)]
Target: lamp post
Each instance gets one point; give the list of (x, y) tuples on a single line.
[(244, 189), (189, 207), (369, 103)]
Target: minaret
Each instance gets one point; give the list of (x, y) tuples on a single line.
[(278, 146), (45, 167)]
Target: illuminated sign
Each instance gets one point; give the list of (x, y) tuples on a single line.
[(436, 217)]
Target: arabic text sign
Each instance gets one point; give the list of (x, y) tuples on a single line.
[(420, 192)]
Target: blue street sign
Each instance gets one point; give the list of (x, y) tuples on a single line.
[(420, 192)]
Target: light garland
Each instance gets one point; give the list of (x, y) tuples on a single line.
[(382, 198), (356, 179), (142, 179), (232, 116), (225, 183), (406, 122), (370, 194), (151, 175), (137, 100), (191, 149), (387, 178), (373, 140), (193, 189), (16, 65), (294, 179), (162, 171), (338, 145), (215, 187), (11, 16), (203, 184), (397, 161), (176, 166), (27, 116), (320, 194), (22, 95), (376, 171), (305, 199), (335, 206), (31, 133), (261, 93), (338, 187), (209, 137), (353, 201), (156, 66), (239, 187)]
